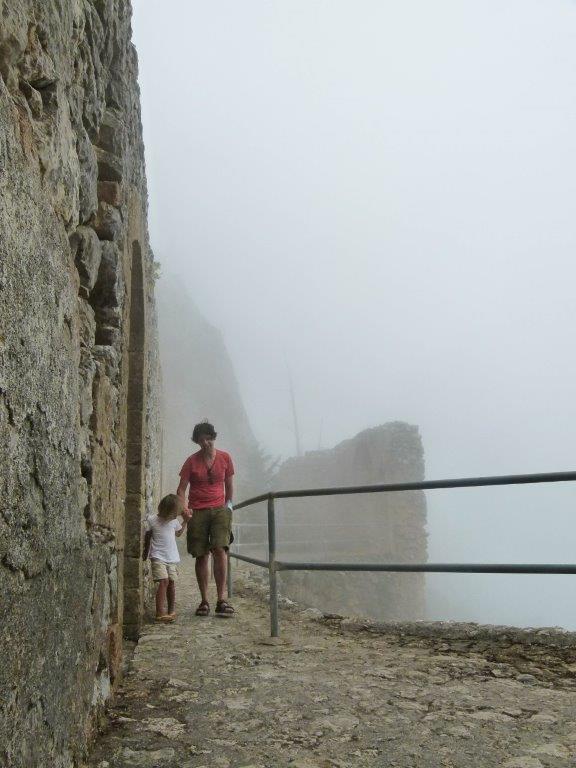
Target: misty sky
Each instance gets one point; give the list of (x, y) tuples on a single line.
[(382, 197)]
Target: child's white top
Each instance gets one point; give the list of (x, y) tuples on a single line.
[(163, 546)]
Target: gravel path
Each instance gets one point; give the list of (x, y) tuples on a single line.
[(219, 693)]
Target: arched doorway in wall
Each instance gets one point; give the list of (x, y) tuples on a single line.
[(134, 504)]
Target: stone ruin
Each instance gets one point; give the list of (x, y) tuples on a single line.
[(79, 369), (375, 528)]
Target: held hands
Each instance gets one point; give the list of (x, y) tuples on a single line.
[(186, 514)]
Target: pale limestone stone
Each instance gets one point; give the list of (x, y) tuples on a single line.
[(522, 762), (147, 759), (552, 749), (338, 723), (489, 715), (175, 683), (543, 717), (165, 726)]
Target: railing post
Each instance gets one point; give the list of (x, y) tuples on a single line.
[(272, 568), (229, 572)]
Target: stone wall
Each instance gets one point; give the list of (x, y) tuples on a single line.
[(376, 528), (79, 456)]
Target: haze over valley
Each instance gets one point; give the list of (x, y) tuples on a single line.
[(375, 203)]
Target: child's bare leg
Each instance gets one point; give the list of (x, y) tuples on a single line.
[(161, 597), (171, 595)]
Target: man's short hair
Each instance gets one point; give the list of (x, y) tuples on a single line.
[(204, 428)]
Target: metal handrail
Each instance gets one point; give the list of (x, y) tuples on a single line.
[(273, 565)]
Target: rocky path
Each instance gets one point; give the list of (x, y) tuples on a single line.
[(219, 693)]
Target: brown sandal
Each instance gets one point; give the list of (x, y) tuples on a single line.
[(165, 618), (203, 609), (224, 609)]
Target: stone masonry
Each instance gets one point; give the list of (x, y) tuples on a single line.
[(79, 369), (375, 528)]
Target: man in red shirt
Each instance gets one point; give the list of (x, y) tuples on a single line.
[(208, 475)]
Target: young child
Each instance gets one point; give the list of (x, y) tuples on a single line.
[(160, 546)]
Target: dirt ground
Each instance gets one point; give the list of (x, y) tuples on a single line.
[(220, 693)]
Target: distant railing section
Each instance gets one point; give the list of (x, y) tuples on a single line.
[(274, 565)]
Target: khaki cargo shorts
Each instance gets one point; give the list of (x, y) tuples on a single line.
[(207, 529), (162, 570)]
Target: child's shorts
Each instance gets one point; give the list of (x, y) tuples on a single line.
[(162, 570)]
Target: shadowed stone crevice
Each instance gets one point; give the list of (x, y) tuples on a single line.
[(133, 570)]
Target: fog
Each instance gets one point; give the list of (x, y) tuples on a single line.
[(377, 200)]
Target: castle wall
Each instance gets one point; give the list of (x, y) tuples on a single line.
[(79, 370), (379, 528)]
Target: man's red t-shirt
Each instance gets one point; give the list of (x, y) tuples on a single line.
[(206, 487)]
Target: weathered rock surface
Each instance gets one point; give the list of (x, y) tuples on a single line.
[(216, 692), (70, 306), (377, 528)]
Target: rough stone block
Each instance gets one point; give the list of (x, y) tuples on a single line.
[(109, 166), (114, 642), (109, 290), (134, 451), (108, 222), (137, 367), (132, 631), (133, 603), (134, 478), (103, 422), (87, 253), (109, 361), (133, 546), (108, 336), (110, 192), (88, 178), (87, 370), (111, 316), (87, 324), (112, 134), (33, 98), (134, 511)]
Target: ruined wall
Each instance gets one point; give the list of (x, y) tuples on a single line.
[(356, 528), (78, 369)]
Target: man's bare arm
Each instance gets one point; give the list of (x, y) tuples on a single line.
[(184, 524), (228, 489), (181, 492)]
